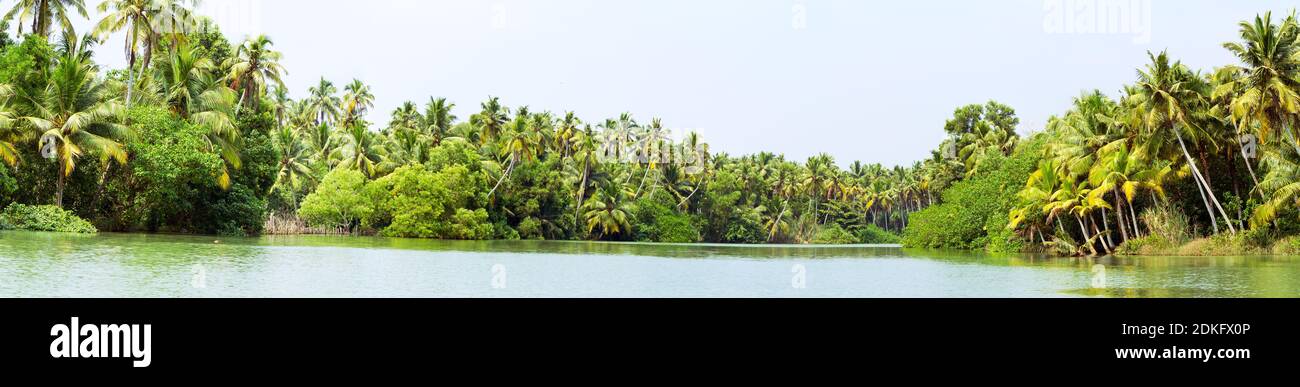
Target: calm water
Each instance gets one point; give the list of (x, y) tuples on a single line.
[(116, 265)]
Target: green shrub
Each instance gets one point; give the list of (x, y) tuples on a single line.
[(834, 235), (338, 201), (43, 218), (658, 220), (965, 218), (415, 202), (874, 235)]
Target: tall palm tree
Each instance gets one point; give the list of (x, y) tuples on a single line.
[(144, 22), (254, 66), (438, 118), (75, 115), (490, 120), (523, 143), (357, 101), (44, 13), (1271, 57), (324, 104), (295, 157), (1167, 93)]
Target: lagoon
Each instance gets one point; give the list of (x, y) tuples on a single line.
[(165, 266)]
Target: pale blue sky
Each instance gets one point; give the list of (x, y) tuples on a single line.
[(863, 80)]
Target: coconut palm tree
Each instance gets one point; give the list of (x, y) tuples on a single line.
[(610, 209), (361, 150), (357, 101), (74, 115), (523, 143), (490, 120), (1168, 92), (254, 66), (438, 119), (294, 163), (189, 89), (44, 13), (323, 103), (1268, 88), (144, 21), (1283, 181)]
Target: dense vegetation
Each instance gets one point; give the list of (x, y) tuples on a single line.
[(198, 135), (1180, 155), (43, 218)]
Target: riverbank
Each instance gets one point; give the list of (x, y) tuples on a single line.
[(1216, 246)]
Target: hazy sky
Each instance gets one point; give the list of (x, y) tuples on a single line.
[(861, 80)]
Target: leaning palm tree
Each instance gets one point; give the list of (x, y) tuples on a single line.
[(74, 115), (44, 13), (1168, 92), (253, 67)]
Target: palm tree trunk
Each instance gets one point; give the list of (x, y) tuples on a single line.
[(505, 174), (1087, 239), (1119, 216), (1251, 168), (1137, 232), (1105, 222), (130, 79), (58, 193), (582, 191), (1201, 180)]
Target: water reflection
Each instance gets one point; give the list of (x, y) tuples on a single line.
[(134, 265)]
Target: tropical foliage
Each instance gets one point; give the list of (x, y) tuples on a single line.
[(201, 135)]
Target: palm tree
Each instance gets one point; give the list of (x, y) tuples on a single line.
[(252, 68), (361, 152), (438, 119), (1167, 93), (357, 101), (189, 89), (323, 103), (405, 118), (1283, 181), (74, 115), (144, 21), (8, 153), (524, 143), (44, 13), (295, 157), (610, 209), (490, 120), (1268, 90)]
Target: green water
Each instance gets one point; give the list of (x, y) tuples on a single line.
[(118, 265)]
